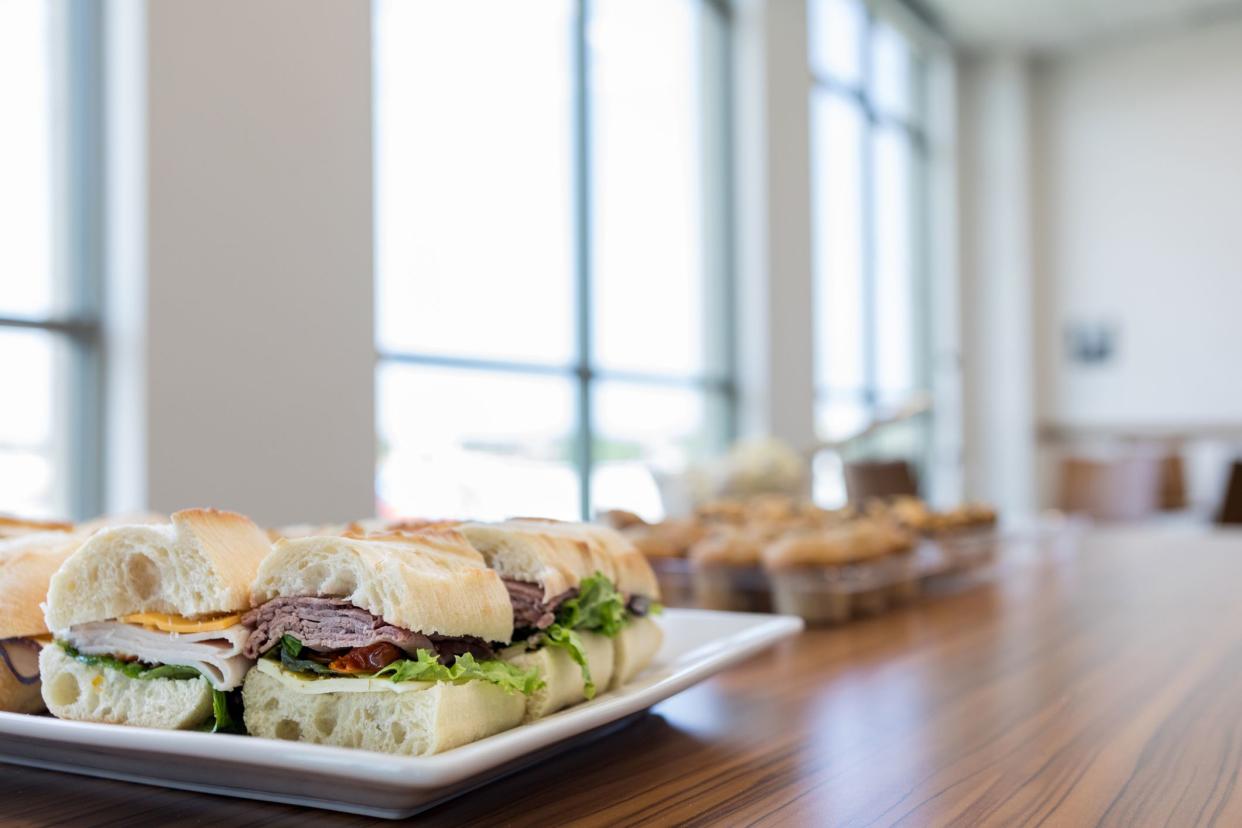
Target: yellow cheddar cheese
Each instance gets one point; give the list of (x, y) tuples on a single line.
[(166, 622)]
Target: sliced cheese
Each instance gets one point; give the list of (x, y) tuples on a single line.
[(166, 622), (315, 686)]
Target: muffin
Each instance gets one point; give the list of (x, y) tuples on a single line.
[(829, 575), (620, 519), (966, 536), (912, 513), (722, 511), (898, 546), (665, 546), (726, 572)]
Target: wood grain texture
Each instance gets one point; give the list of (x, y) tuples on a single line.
[(1100, 685)]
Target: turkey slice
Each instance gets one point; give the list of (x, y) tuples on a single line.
[(217, 654)]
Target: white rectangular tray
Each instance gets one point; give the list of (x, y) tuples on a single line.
[(698, 644)]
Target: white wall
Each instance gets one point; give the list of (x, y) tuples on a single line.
[(1140, 170), (775, 307), (996, 282), (250, 292)]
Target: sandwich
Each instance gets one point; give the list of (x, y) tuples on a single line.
[(26, 565), (638, 638), (581, 598), (147, 623), (385, 642)]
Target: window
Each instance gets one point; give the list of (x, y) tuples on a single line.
[(869, 160), (550, 295), (48, 330)]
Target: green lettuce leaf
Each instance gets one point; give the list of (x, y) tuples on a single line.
[(598, 607), (557, 635), (426, 667)]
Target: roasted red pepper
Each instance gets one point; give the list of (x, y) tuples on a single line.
[(366, 659)]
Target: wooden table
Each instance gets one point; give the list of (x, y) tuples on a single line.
[(1098, 685)]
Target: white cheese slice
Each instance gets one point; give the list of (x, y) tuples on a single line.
[(314, 686)]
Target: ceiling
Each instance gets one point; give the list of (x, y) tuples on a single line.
[(1045, 25)]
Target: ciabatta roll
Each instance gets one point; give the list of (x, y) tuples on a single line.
[(27, 563), (147, 622), (387, 644)]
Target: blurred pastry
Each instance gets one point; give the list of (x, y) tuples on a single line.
[(620, 519), (726, 572), (829, 575), (12, 526)]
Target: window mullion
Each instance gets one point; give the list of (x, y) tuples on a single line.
[(868, 197), (582, 250), (86, 211)]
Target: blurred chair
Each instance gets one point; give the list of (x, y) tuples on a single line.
[(869, 479), (1231, 507), (1121, 488), (1173, 482)]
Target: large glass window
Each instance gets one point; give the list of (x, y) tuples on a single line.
[(869, 160), (550, 275), (47, 325)]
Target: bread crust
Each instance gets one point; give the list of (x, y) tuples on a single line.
[(86, 693), (202, 562), (27, 563), (564, 684), (431, 720), (631, 574), (634, 648), (529, 550), (431, 582), (559, 554)]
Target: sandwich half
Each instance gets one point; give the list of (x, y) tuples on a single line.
[(147, 623), (581, 597), (385, 643), (26, 565)]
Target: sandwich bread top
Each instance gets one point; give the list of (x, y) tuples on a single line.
[(202, 562), (431, 582), (531, 551), (559, 554), (26, 566)]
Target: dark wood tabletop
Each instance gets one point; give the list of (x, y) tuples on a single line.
[(1097, 682)]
